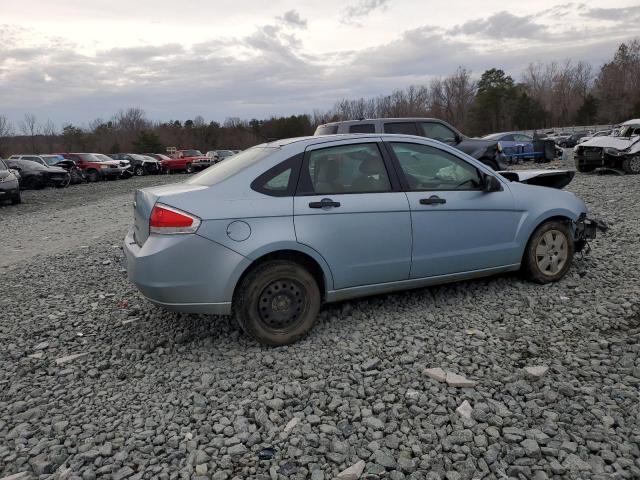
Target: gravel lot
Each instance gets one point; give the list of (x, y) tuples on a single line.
[(152, 394)]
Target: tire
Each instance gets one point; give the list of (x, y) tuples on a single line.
[(65, 183), (277, 302), (632, 165), (189, 168), (549, 252), (93, 176), (138, 171), (490, 163), (584, 169), (17, 198)]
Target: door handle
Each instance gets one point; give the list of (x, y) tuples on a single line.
[(432, 200), (324, 203)]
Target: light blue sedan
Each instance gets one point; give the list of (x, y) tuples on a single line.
[(272, 233)]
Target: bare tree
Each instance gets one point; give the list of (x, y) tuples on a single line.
[(49, 132), (30, 129), (6, 131)]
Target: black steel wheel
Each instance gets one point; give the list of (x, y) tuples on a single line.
[(277, 302)]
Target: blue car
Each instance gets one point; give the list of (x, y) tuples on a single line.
[(288, 225), (514, 145)]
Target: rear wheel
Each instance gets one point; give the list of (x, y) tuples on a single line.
[(138, 171), (277, 302), (632, 165), (93, 175), (549, 252)]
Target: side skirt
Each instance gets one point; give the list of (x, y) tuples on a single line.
[(378, 288)]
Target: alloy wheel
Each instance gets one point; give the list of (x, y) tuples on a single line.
[(552, 252)]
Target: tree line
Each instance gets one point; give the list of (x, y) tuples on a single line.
[(547, 95)]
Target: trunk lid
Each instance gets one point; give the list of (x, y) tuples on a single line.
[(146, 198)]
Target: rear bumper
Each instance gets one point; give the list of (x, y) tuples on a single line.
[(184, 273), (9, 189)]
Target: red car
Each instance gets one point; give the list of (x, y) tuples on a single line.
[(182, 161), (97, 166)]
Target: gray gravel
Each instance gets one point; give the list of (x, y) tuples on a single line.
[(97, 383)]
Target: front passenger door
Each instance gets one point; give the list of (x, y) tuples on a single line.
[(457, 226), (349, 208)]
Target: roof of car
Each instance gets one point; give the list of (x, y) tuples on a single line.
[(339, 136), (391, 119), (631, 122)]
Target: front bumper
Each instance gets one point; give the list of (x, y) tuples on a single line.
[(586, 229), (9, 189), (184, 273)]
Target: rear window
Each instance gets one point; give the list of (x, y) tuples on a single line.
[(362, 128), (326, 130), (223, 170)]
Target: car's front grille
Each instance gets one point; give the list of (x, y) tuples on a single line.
[(592, 153)]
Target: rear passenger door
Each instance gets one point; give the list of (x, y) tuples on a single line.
[(349, 208)]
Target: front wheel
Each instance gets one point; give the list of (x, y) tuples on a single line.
[(93, 176), (17, 198), (138, 171), (277, 302), (632, 165), (190, 168), (549, 252)]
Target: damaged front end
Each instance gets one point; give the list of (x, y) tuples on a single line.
[(585, 229), (542, 178)]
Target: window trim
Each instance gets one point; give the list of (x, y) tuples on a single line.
[(394, 181), (294, 163), (403, 179)]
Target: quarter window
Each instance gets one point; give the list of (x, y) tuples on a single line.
[(406, 128), (355, 168), (279, 181), (428, 168), (437, 131)]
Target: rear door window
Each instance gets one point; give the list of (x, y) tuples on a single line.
[(405, 128), (362, 128), (355, 168)]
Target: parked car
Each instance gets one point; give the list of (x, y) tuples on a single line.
[(9, 186), (599, 133), (571, 140), (290, 224), (42, 159), (182, 161), (97, 166), (140, 164), (488, 152), (619, 152), (515, 145), (33, 175)]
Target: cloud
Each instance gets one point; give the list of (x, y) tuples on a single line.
[(502, 25), (626, 14), (363, 8), (293, 18), (268, 70)]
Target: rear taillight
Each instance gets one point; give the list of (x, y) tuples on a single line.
[(167, 220)]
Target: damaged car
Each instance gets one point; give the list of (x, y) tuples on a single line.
[(36, 176), (620, 152), (289, 225)]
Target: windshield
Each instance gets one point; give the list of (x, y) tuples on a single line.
[(52, 159), (493, 136), (102, 158), (191, 153), (629, 130), (221, 171)]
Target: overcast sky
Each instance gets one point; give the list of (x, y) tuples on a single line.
[(75, 60)]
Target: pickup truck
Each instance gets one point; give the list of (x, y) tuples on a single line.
[(182, 161)]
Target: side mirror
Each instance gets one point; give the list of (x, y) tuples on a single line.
[(491, 184)]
